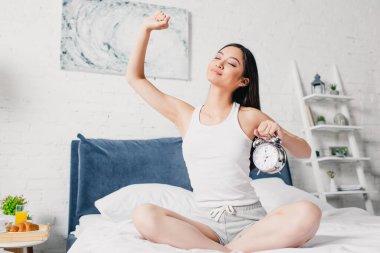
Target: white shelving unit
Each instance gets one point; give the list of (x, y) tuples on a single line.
[(317, 163), (335, 128), (326, 97), (339, 159)]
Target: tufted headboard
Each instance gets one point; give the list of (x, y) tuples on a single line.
[(102, 166)]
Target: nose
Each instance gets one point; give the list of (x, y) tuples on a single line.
[(218, 65)]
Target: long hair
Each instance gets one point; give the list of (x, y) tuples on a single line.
[(248, 95)]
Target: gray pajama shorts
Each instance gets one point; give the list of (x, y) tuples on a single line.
[(229, 222)]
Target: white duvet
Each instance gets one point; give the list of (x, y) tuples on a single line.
[(341, 230)]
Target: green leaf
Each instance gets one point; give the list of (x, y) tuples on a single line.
[(9, 204)]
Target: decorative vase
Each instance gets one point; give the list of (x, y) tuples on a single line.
[(334, 92), (340, 119), (333, 187)]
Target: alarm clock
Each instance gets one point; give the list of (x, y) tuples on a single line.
[(268, 155)]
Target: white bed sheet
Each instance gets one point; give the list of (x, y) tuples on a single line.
[(341, 230)]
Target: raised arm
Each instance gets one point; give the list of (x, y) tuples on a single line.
[(176, 110)]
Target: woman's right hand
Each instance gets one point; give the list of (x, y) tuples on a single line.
[(157, 21)]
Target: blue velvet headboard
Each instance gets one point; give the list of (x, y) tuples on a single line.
[(101, 166)]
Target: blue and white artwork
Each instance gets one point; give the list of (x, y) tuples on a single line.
[(98, 36)]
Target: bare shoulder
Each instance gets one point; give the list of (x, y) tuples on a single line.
[(252, 115), (184, 117), (186, 110), (250, 118)]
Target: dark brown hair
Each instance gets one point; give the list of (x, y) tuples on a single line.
[(248, 95)]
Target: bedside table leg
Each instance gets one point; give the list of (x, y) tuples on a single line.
[(15, 250), (20, 250)]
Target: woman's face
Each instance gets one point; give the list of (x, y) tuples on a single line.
[(226, 69)]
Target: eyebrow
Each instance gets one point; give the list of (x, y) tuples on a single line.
[(220, 52)]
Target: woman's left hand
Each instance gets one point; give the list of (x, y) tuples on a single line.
[(268, 129)]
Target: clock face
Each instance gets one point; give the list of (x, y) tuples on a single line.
[(265, 156)]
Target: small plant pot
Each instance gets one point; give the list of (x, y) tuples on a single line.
[(334, 92), (321, 122), (339, 151)]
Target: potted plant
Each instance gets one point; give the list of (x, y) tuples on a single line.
[(339, 151), (9, 203), (331, 175), (333, 90), (321, 120)]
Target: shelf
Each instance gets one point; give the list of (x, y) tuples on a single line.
[(340, 159), (326, 97), (343, 192), (313, 133), (334, 128)]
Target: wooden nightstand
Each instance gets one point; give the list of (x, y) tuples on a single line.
[(22, 242), (19, 247)]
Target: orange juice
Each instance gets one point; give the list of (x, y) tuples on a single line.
[(20, 216)]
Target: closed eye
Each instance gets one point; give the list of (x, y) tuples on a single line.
[(218, 58)]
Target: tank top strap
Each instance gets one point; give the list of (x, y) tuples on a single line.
[(231, 117), (195, 115), (235, 111)]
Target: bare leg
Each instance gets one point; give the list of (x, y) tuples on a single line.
[(161, 225), (287, 226)]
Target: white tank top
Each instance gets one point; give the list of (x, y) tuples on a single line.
[(217, 160)]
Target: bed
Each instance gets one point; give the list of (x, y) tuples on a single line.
[(108, 178)]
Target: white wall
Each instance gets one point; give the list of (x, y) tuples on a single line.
[(42, 108)]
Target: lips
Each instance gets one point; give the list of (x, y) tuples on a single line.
[(217, 71)]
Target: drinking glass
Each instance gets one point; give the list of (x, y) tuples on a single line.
[(21, 214)]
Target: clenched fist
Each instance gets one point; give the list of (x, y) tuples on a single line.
[(268, 129), (157, 21)]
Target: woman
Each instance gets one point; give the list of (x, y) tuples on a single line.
[(216, 147)]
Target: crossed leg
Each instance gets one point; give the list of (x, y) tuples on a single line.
[(162, 225), (285, 227)]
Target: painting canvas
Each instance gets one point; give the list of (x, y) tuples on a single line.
[(98, 36)]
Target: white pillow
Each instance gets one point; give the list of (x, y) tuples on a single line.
[(273, 192), (120, 204), (90, 221)]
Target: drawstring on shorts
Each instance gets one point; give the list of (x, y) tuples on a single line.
[(217, 212)]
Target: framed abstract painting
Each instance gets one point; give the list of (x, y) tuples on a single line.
[(98, 36)]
